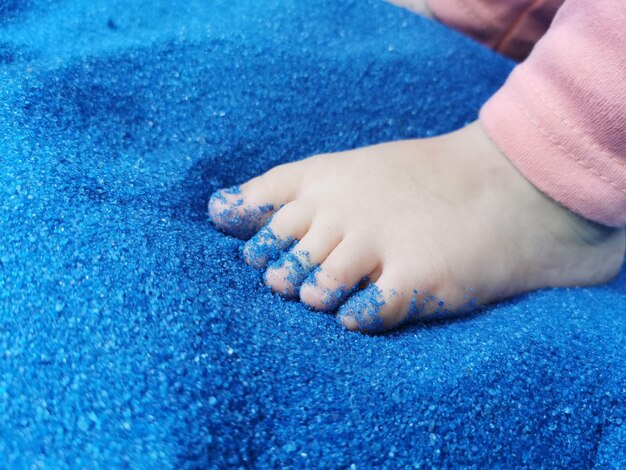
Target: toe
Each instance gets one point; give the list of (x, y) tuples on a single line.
[(287, 274), (378, 307), (235, 212), (266, 246), (392, 301), (443, 302), (242, 210), (349, 263), (285, 227)]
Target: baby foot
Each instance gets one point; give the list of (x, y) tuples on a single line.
[(411, 230)]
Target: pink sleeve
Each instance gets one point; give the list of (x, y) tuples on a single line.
[(561, 115), (511, 27)]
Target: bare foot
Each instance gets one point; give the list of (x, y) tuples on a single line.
[(436, 226)]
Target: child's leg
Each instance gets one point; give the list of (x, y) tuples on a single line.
[(442, 225), (439, 225), (511, 27), (561, 115)]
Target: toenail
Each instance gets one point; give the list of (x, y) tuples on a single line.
[(349, 322), (220, 196), (277, 280), (364, 308), (297, 266), (231, 217), (232, 191), (312, 296)]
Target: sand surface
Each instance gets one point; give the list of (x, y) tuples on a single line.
[(132, 333)]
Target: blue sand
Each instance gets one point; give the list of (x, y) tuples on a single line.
[(131, 332), (364, 306), (243, 221), (299, 266), (265, 246), (332, 298)]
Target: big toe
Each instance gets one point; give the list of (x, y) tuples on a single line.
[(235, 214), (241, 211)]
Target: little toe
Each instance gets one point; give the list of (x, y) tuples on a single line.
[(241, 211), (287, 274), (378, 307), (327, 287)]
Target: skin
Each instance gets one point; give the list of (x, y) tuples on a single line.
[(438, 226), (416, 6)]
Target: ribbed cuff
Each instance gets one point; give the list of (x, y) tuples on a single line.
[(556, 160)]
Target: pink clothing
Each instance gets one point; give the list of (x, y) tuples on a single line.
[(511, 27), (561, 115)]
